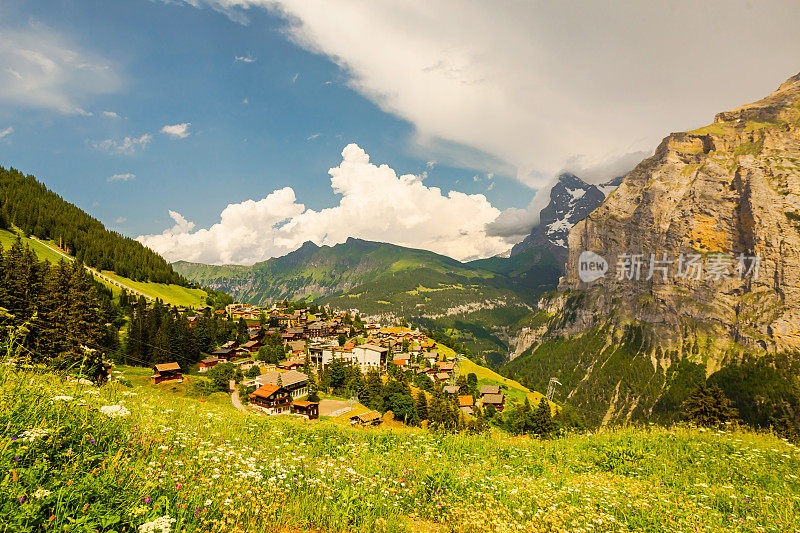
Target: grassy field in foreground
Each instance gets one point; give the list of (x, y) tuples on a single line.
[(174, 294), (79, 458)]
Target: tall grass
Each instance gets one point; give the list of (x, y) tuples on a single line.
[(211, 468)]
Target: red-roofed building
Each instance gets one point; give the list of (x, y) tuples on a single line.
[(271, 399)]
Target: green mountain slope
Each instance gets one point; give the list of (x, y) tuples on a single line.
[(27, 204), (170, 293), (475, 302)]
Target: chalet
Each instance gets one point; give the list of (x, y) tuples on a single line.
[(490, 389), (230, 345), (291, 364), (295, 383), (293, 334), (251, 346), (402, 363), (497, 400), (445, 366), (451, 389), (271, 399), (223, 354), (442, 376), (308, 409), (465, 403), (371, 418), (297, 347), (207, 363), (166, 372), (319, 329)]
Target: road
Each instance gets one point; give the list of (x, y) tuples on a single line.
[(235, 401), (96, 273)]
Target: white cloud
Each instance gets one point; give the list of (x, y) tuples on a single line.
[(121, 177), (6, 132), (314, 136), (177, 131), (126, 146), (375, 204), (244, 59), (43, 69), (110, 114), (120, 220), (245, 101), (294, 78), (430, 164), (537, 84)]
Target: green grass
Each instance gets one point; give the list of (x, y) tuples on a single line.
[(174, 294), (212, 468), (512, 389)]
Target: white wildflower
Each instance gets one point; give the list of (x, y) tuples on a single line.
[(162, 524), (61, 399), (41, 493), (33, 434), (113, 411), (208, 502)]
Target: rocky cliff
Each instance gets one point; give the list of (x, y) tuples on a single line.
[(705, 233)]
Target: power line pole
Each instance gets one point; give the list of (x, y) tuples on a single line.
[(551, 388)]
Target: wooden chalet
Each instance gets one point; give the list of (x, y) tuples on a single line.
[(305, 408), (271, 399), (251, 346), (207, 363), (497, 400), (490, 389), (223, 355), (442, 376), (465, 403), (371, 418), (450, 389), (166, 372)]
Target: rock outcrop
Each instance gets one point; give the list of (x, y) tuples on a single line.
[(705, 234)]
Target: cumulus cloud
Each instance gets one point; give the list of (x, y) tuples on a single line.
[(537, 84), (110, 114), (126, 146), (121, 177), (6, 132), (375, 204), (177, 131), (43, 69)]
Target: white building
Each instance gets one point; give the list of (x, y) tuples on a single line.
[(370, 357)]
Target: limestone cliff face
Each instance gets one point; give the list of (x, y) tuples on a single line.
[(711, 194)]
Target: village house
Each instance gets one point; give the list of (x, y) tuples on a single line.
[(207, 363), (251, 346), (166, 372), (223, 355), (465, 403), (497, 400), (244, 364), (308, 409), (271, 399), (490, 389), (371, 418), (295, 383), (450, 389), (370, 356), (442, 376), (292, 364)]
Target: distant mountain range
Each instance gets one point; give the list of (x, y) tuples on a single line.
[(571, 200)]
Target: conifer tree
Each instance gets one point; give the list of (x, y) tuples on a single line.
[(422, 405)]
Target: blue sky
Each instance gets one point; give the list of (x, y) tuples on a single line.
[(480, 105), (177, 64)]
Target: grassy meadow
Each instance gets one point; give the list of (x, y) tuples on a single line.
[(140, 458), (173, 294)]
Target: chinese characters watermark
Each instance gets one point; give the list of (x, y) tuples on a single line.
[(662, 267)]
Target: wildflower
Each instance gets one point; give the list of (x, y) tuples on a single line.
[(41, 493), (208, 502), (34, 434), (61, 399), (113, 411), (162, 524)]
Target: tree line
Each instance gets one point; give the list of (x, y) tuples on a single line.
[(55, 315), (29, 205)]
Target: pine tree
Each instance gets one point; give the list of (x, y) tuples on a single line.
[(708, 406), (422, 405)]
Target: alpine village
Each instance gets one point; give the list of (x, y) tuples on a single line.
[(572, 384)]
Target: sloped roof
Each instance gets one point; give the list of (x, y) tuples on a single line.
[(168, 367), (492, 398), (374, 348), (292, 377), (451, 389), (465, 401), (265, 391), (490, 389)]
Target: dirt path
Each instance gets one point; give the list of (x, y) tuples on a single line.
[(235, 401)]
